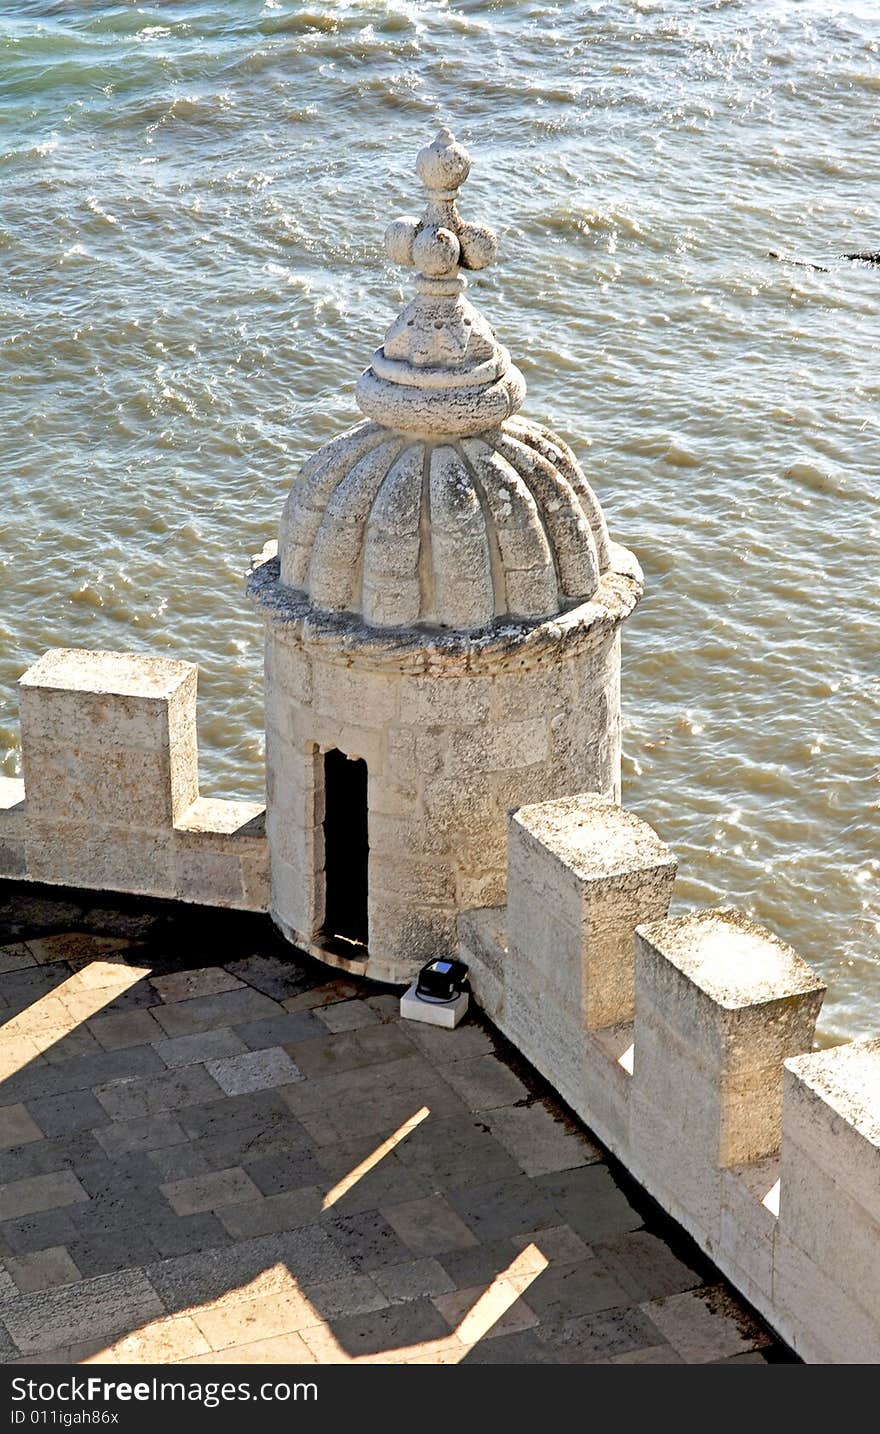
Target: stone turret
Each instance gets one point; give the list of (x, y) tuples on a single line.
[(442, 626)]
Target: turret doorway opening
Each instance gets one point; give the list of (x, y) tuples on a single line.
[(346, 852)]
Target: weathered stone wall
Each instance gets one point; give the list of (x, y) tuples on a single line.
[(685, 1044), (110, 796), (449, 753)]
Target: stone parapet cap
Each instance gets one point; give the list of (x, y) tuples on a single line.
[(595, 838), (846, 1078), (218, 820), (346, 637), (120, 674), (730, 958)]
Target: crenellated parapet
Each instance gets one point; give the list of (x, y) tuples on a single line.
[(110, 796), (685, 1043)]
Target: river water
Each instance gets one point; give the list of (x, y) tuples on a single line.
[(192, 204)]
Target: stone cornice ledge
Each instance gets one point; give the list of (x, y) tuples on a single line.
[(346, 638)]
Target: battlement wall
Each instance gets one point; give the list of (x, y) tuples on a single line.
[(686, 1045), (110, 795)]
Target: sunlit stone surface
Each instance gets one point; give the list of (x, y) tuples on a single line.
[(445, 606)]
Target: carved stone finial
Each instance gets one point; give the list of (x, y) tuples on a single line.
[(441, 369)]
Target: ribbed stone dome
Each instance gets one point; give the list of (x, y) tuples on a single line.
[(444, 509), (413, 531)]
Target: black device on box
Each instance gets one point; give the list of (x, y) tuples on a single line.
[(441, 980)]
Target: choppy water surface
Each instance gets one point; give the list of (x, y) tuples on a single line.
[(192, 198)]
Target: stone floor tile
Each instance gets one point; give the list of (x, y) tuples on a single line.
[(40, 1157), (76, 945), (350, 1050), (282, 1029), (78, 1042), (173, 1234), (388, 1182), (176, 1162), (152, 1133), (353, 1295), (184, 985), (389, 1041), (17, 1127), (242, 1322), (205, 1046), (280, 1136), (458, 1152), (204, 1013), (386, 1004), (325, 995), (260, 1111), (307, 1255), (284, 1170), (485, 1312), (210, 1192), (18, 1055), (485, 1083), (654, 1354), (65, 1114), (40, 1192), (564, 1291), (380, 1084), (288, 1349), (15, 957), (347, 1015), (43, 1270), (400, 1328), (368, 1239), (254, 1070), (705, 1325), (127, 1028), (375, 1119), (37, 1232), (500, 1208), (9, 1351), (161, 1341), (172, 1090), (412, 1280), (275, 1212), (111, 1249), (591, 1338), (429, 1226), (558, 1244), (329, 1054), (128, 1174), (591, 1201), (523, 1347), (274, 976), (647, 1268), (479, 1264), (109, 1305), (82, 1072), (443, 1047), (540, 1140)]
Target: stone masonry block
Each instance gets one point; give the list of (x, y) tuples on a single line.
[(582, 874), (102, 858), (832, 1113), (109, 736), (830, 1192), (351, 694), (13, 860), (720, 1003)]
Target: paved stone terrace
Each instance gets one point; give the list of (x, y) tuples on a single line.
[(215, 1152)]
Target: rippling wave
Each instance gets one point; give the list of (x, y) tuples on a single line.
[(193, 200)]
